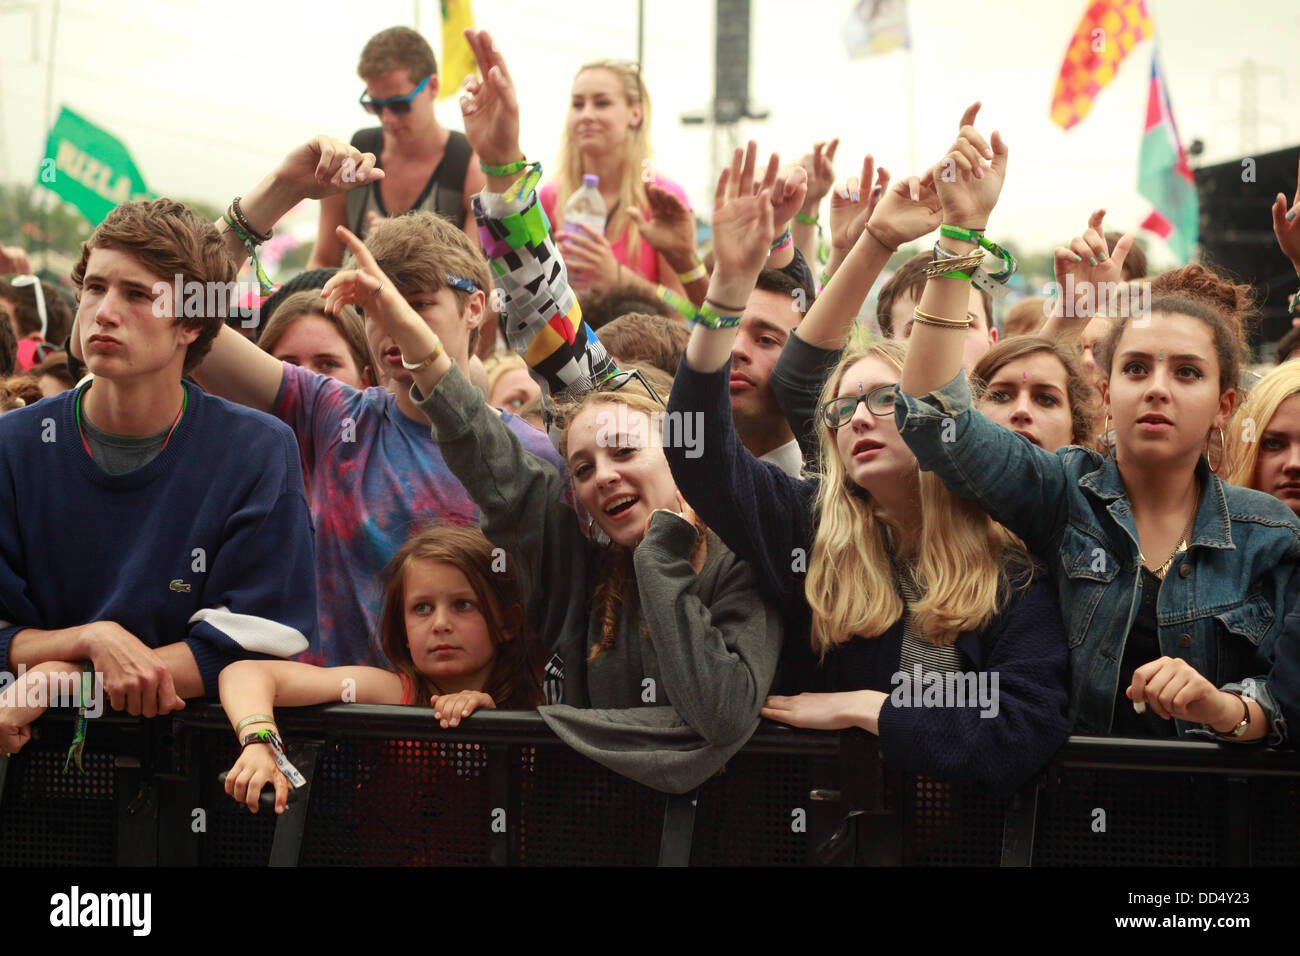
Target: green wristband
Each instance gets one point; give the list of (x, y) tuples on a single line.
[(708, 317), (805, 219), (509, 169)]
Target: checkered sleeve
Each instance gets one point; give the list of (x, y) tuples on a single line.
[(540, 316)]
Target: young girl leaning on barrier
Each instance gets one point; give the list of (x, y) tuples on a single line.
[(933, 629), (1175, 585), (452, 628), (668, 648)]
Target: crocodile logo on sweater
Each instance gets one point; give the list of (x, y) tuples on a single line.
[(179, 585)]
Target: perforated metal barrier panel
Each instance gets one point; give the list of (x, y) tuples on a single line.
[(504, 791)]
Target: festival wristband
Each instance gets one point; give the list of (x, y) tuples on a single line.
[(678, 303), (708, 317), (524, 184), (977, 236), (699, 272), (509, 169), (805, 219), (282, 763), (253, 719), (79, 735), (782, 240)]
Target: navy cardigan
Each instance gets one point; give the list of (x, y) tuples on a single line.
[(765, 516)]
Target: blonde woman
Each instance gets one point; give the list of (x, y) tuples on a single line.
[(607, 133), (910, 593), (1263, 441)]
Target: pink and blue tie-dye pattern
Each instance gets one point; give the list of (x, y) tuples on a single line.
[(376, 478)]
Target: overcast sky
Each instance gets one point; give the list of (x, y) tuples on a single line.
[(208, 96)]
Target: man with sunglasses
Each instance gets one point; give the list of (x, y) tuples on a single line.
[(427, 166)]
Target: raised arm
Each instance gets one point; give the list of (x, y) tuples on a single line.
[(1088, 273), (539, 314), (1016, 482)]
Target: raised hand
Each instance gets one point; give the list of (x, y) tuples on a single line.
[(743, 224), (820, 166), (670, 228), (788, 187), (969, 178), (1286, 223), (908, 210), (323, 166), (1091, 263), (489, 107), (366, 287), (852, 206)]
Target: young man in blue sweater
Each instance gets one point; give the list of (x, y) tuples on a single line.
[(146, 528)]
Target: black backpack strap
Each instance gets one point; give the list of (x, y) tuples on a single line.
[(368, 141), (449, 199)]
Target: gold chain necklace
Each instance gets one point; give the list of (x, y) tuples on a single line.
[(1182, 541)]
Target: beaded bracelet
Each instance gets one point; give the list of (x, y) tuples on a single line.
[(708, 317), (259, 237)]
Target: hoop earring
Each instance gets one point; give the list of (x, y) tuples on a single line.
[(1223, 449), (595, 532), (1108, 439)]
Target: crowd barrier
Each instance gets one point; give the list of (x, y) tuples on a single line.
[(388, 785)]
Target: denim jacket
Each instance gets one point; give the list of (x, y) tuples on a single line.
[(1222, 603)]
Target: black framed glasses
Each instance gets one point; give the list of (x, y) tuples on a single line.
[(400, 105), (839, 411), (617, 380)]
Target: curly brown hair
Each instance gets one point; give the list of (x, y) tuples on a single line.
[(1197, 292), (168, 240)]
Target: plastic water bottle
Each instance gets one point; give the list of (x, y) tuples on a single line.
[(586, 206)]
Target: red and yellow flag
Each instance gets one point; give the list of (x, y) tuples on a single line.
[(1108, 32)]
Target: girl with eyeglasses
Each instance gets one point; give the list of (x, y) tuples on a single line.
[(908, 591), (667, 646), (1176, 585)]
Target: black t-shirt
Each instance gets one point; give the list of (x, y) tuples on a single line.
[(1142, 647)]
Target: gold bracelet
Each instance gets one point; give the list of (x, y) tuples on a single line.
[(429, 360), (929, 319), (941, 325), (699, 272), (254, 719)]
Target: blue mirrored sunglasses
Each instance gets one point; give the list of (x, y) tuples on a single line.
[(400, 105)]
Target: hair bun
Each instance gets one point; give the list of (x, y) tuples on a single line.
[(1236, 302)]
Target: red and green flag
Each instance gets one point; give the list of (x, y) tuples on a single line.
[(1164, 175)]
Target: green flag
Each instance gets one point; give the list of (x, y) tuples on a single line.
[(89, 168)]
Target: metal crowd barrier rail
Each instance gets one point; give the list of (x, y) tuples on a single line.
[(387, 785)]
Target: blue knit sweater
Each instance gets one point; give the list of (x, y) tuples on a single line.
[(765, 516), (209, 543)]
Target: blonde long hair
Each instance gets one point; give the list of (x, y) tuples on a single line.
[(636, 151), (1253, 418), (963, 560)]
